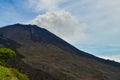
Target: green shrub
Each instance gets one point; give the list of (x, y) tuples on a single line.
[(7, 73), (6, 54)]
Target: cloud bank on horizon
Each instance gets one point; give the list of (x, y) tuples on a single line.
[(96, 22)]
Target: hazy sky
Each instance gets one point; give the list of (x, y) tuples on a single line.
[(90, 25)]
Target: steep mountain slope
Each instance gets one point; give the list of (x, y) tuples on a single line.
[(44, 56)]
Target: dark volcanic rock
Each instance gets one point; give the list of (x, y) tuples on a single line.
[(44, 56)]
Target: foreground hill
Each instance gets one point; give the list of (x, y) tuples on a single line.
[(11, 74), (44, 56), (6, 74)]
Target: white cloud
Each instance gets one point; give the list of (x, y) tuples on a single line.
[(61, 23), (102, 16), (48, 5)]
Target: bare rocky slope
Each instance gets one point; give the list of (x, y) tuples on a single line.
[(44, 56)]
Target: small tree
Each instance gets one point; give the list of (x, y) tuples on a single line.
[(6, 54)]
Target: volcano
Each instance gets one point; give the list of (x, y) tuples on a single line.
[(44, 56)]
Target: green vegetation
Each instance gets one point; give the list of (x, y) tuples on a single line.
[(6, 54), (19, 75), (11, 74), (7, 73)]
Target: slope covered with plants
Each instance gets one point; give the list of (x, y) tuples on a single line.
[(7, 72)]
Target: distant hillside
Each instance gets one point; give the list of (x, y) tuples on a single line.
[(44, 56)]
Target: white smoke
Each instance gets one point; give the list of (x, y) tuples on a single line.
[(61, 23)]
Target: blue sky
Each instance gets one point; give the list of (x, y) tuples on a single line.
[(90, 25)]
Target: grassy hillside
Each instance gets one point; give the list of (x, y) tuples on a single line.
[(6, 72), (11, 74)]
